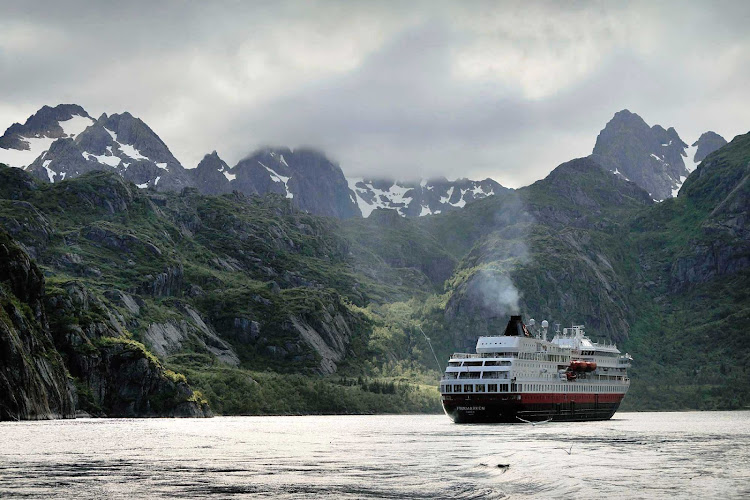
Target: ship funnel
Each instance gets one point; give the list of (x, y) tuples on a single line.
[(516, 328)]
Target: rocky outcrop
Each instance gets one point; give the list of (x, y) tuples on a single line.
[(33, 379), (115, 375), (191, 334), (212, 175), (707, 144), (166, 284)]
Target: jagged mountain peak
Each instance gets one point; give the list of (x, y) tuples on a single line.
[(72, 143), (706, 144), (212, 175), (22, 144), (655, 158)]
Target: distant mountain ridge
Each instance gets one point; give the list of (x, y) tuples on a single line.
[(425, 197), (64, 142)]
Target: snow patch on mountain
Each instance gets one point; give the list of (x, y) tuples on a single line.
[(21, 158), (370, 197), (75, 125), (276, 177), (690, 163), (36, 145), (110, 159)]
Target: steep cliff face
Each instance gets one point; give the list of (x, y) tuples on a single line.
[(33, 380), (115, 375)]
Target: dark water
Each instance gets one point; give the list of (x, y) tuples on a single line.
[(635, 455)]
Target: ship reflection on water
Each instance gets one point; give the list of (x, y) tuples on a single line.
[(634, 455)]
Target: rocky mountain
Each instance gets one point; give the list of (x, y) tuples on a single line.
[(252, 299), (22, 144), (213, 176), (64, 142), (119, 143), (706, 144), (307, 177), (654, 158), (426, 197)]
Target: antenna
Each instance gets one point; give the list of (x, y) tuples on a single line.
[(440, 369)]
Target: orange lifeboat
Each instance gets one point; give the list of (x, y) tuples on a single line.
[(577, 366), (590, 366)]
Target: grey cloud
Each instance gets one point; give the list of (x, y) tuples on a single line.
[(375, 84)]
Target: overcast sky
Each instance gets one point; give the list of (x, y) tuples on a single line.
[(506, 90)]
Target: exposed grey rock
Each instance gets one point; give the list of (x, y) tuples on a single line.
[(649, 156), (707, 144), (329, 338), (212, 175), (120, 143), (245, 331), (43, 123), (166, 284), (312, 182), (33, 379)]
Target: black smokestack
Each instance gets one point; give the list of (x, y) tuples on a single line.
[(516, 328)]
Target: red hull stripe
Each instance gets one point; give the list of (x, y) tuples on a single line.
[(536, 398)]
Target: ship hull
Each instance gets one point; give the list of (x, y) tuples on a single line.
[(514, 408)]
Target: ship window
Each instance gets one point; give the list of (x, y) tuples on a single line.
[(468, 388), (456, 388), (492, 388), (472, 363), (480, 387)]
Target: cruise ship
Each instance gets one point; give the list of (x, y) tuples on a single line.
[(520, 376)]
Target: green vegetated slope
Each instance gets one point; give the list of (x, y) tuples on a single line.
[(222, 289), (667, 281), (265, 309), (694, 250)]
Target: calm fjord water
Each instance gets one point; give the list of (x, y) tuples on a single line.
[(634, 455)]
